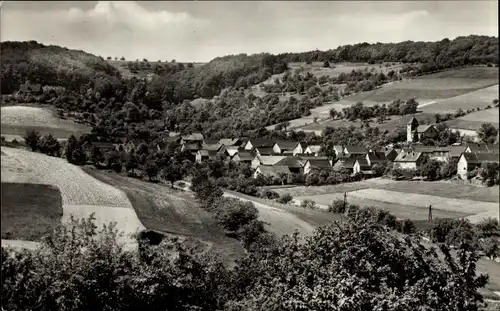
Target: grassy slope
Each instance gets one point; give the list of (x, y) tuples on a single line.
[(16, 120), (29, 211), (171, 211), (474, 120)]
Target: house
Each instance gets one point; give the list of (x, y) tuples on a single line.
[(344, 163), (313, 149), (408, 159), (192, 138), (481, 148), (131, 145), (204, 155), (284, 146), (468, 161), (456, 151), (259, 143), (300, 148), (375, 157), (416, 132), (264, 151), (441, 154), (355, 151), (317, 164), (229, 142), (391, 154), (191, 147), (294, 164), (339, 151), (243, 157), (266, 160), (229, 152), (362, 166), (31, 88), (271, 171), (211, 145)]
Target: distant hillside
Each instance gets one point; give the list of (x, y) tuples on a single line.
[(50, 65), (469, 50)]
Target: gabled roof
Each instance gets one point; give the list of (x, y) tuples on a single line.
[(478, 158), (344, 163), (314, 148), (210, 141), (377, 157), (320, 163), (193, 137), (456, 151), (273, 170), (229, 141), (262, 143), (294, 162), (214, 147), (430, 149), (356, 149), (408, 156), (232, 150), (424, 128), (413, 121), (245, 156), (288, 145), (483, 148), (363, 164), (191, 147), (265, 151), (208, 153), (391, 154), (269, 160)]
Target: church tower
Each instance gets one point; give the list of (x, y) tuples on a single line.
[(410, 127)]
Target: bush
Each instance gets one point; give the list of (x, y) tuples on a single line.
[(406, 226), (337, 206), (232, 214), (309, 204), (491, 247), (488, 227), (270, 194), (285, 198)]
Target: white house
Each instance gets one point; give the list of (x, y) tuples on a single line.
[(408, 159), (259, 143), (469, 161), (313, 149), (284, 146), (266, 161), (362, 166), (320, 164), (416, 132)]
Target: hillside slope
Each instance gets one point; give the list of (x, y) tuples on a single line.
[(50, 65)]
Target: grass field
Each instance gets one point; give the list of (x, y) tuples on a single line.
[(172, 211), (16, 120), (29, 211), (317, 69), (406, 199), (476, 99), (81, 194), (473, 121)]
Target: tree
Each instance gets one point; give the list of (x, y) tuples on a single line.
[(151, 169), (431, 170), (285, 198), (96, 156), (122, 58), (131, 163), (32, 139), (359, 265), (487, 133), (285, 124), (71, 145), (490, 172), (326, 64), (173, 172), (232, 213), (333, 113), (49, 146)]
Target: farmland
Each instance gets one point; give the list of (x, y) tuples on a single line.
[(406, 199), (441, 92), (317, 69), (29, 211), (81, 194), (474, 120), (16, 120)]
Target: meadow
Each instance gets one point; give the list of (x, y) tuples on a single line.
[(29, 211), (473, 121), (17, 120)]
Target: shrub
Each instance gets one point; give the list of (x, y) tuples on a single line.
[(232, 214), (270, 194), (337, 206), (285, 198), (491, 247), (309, 204), (406, 226), (488, 227)]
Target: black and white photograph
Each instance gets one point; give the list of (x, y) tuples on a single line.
[(250, 155)]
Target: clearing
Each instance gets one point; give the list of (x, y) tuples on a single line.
[(407, 199), (29, 211), (81, 194), (473, 121), (16, 120)]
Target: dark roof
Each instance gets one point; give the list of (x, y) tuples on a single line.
[(229, 141), (287, 144), (210, 141), (413, 120), (483, 148), (424, 128), (294, 162), (478, 158), (344, 163), (456, 151), (410, 156), (245, 156), (262, 143), (363, 164), (356, 149), (377, 157), (191, 147), (320, 163), (265, 151), (207, 146), (430, 149), (391, 154), (208, 153)]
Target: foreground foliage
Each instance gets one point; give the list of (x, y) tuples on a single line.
[(356, 265)]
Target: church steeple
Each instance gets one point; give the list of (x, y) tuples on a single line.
[(411, 126)]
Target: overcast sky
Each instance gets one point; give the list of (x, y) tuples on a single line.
[(202, 30)]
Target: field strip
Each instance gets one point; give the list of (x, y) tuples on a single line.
[(420, 200), (126, 219), (20, 244)]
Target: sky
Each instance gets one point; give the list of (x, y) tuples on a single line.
[(199, 31)]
